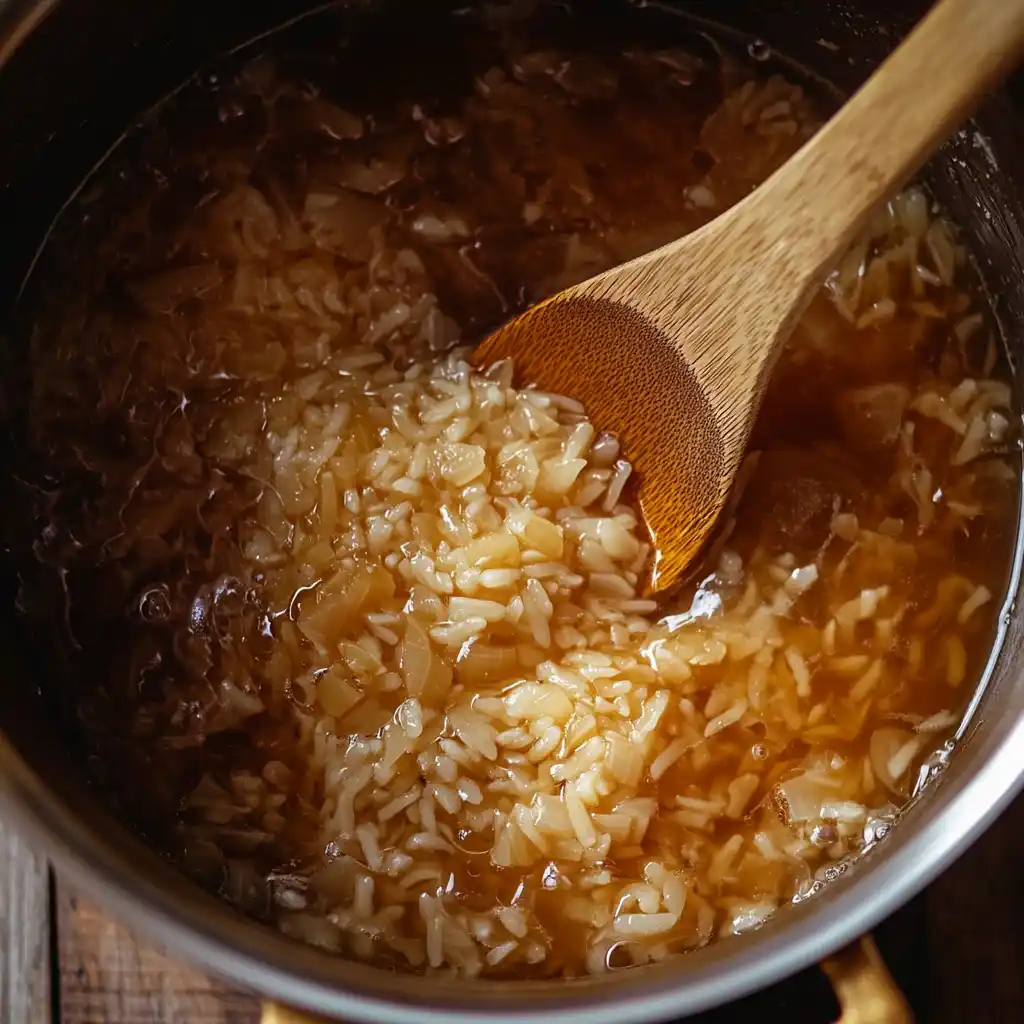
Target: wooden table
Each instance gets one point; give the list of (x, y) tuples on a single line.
[(957, 951)]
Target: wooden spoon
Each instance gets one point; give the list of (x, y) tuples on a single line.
[(672, 351)]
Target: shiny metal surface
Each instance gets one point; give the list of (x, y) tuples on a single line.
[(91, 50)]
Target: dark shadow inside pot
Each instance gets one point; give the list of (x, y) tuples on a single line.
[(68, 91)]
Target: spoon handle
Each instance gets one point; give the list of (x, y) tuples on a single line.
[(815, 205)]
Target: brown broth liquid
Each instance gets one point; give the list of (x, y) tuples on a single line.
[(558, 157)]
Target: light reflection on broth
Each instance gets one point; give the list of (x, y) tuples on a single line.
[(355, 634)]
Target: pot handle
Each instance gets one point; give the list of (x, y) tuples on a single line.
[(863, 986)]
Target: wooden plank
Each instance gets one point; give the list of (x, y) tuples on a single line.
[(975, 930), (107, 976), (24, 933)]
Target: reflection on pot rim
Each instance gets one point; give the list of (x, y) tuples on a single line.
[(998, 768)]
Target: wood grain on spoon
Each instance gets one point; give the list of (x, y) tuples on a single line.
[(672, 351)]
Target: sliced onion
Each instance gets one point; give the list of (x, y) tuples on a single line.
[(800, 798), (892, 752)]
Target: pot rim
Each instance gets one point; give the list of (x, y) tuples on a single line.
[(216, 938), (218, 943)]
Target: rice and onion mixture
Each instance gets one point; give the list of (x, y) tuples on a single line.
[(371, 653)]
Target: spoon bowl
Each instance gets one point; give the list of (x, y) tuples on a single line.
[(672, 351)]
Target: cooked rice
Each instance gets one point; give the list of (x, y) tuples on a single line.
[(388, 641)]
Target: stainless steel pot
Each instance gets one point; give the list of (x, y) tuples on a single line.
[(73, 75)]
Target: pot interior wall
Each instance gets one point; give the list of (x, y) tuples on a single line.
[(69, 90)]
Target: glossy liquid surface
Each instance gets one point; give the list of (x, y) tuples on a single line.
[(242, 631)]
